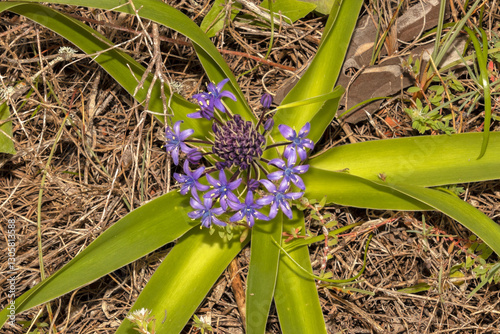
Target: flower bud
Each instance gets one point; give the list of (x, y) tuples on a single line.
[(253, 184), (268, 125), (194, 156), (266, 100)]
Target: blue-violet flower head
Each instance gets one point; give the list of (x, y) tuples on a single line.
[(222, 189), (298, 142), (205, 211), (288, 171), (189, 181), (238, 143), (247, 210), (278, 197), (216, 94)]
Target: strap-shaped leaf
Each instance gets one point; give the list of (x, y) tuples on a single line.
[(296, 296), (322, 74), (351, 190), (123, 68), (424, 160), (143, 230), (212, 61), (262, 273), (183, 279), (461, 211)]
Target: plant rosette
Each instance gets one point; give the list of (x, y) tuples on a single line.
[(239, 172)]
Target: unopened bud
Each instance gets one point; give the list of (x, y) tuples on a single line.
[(194, 156), (253, 184), (266, 100), (269, 124)]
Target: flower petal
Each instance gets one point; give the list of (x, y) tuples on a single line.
[(236, 217), (266, 200), (274, 210), (305, 130), (294, 195), (302, 153), (177, 128), (285, 207), (269, 185), (287, 131), (297, 180), (221, 84), (217, 221), (195, 115), (261, 216), (186, 133), (195, 214), (277, 162), (274, 176), (228, 94)]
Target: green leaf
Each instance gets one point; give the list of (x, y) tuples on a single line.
[(424, 160), (323, 71), (262, 273), (322, 6), (212, 61), (296, 296), (351, 190), (213, 22), (291, 9), (183, 279), (143, 230), (113, 61), (454, 207), (419, 287), (6, 143)]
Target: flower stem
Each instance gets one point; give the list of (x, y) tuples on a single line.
[(198, 141), (277, 144)]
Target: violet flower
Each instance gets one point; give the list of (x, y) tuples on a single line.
[(205, 211), (288, 172), (298, 142), (222, 189), (190, 180), (278, 197), (175, 140), (206, 108), (216, 94), (247, 210)]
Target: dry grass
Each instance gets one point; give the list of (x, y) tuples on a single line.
[(109, 160)]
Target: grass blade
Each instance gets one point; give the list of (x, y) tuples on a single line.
[(351, 190)]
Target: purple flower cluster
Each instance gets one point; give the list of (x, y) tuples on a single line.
[(237, 149)]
